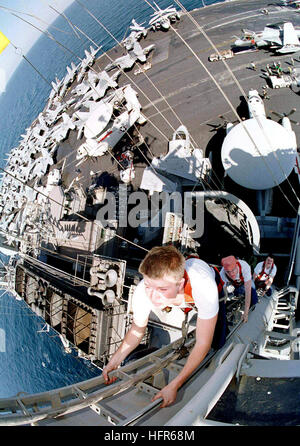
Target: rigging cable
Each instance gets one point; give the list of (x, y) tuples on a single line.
[(200, 28), (152, 103), (49, 35), (111, 154), (226, 97), (52, 38)]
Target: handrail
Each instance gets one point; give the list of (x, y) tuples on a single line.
[(30, 409), (141, 412), (294, 247), (208, 359), (204, 400)]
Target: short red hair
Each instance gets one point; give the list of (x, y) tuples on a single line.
[(161, 261)]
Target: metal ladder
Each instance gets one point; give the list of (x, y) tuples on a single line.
[(33, 409)]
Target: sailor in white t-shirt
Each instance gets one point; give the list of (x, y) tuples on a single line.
[(237, 274), (204, 293), (169, 281), (264, 274)]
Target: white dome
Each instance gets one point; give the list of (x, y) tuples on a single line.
[(259, 153)]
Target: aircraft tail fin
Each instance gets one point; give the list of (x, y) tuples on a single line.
[(289, 34)]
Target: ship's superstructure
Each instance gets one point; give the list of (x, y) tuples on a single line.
[(67, 305)]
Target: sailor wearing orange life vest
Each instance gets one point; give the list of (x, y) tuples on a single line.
[(238, 274), (166, 274), (264, 274)]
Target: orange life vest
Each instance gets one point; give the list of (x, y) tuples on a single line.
[(188, 295), (262, 283), (259, 276)]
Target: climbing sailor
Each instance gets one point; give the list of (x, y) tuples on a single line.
[(238, 274), (264, 274), (171, 283)]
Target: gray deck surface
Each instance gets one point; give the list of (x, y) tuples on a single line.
[(180, 79)]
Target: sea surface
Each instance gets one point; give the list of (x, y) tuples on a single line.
[(33, 360)]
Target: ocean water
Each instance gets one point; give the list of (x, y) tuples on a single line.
[(32, 360)]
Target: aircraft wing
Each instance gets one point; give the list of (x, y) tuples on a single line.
[(272, 35)]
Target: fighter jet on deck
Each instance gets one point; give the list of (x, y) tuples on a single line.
[(163, 17), (291, 42), (295, 3), (103, 130), (281, 37), (139, 30)]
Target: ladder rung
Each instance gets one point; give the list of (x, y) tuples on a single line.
[(141, 412), (111, 415), (278, 335), (147, 388), (282, 326), (23, 408), (82, 395)]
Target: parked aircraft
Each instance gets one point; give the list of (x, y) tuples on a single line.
[(163, 17), (281, 36), (139, 30), (291, 42), (295, 3), (103, 130)]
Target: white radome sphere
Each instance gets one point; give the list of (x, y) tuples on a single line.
[(259, 153)]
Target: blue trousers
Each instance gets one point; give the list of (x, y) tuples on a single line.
[(241, 290)]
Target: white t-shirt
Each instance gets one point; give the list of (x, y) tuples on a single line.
[(246, 272), (267, 271), (204, 291)]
